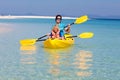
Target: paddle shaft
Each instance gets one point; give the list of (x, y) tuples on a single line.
[(40, 40), (70, 24), (72, 36), (53, 39), (42, 37)]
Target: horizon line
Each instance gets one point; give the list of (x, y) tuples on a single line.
[(49, 17), (31, 16)]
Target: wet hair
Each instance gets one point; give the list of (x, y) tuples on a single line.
[(58, 16)]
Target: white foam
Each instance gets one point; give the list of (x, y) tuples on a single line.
[(44, 17)]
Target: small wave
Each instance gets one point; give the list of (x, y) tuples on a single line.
[(44, 17)]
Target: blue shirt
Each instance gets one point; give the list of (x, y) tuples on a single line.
[(61, 26)]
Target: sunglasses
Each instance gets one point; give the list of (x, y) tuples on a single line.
[(58, 19)]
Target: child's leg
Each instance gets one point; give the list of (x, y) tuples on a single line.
[(53, 35), (57, 34)]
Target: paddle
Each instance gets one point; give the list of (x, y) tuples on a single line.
[(33, 41), (80, 20), (83, 35)]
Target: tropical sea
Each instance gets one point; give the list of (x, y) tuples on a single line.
[(96, 58)]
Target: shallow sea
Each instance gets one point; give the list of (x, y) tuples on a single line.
[(97, 58)]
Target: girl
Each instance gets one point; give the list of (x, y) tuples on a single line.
[(55, 32)]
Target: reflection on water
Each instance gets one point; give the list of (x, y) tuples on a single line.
[(5, 28), (55, 58), (28, 54), (83, 63), (62, 62)]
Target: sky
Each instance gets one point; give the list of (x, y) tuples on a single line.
[(100, 8)]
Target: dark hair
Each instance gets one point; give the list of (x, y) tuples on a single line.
[(58, 16)]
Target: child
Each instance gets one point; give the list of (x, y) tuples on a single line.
[(55, 32)]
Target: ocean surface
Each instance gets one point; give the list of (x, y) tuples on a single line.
[(97, 58)]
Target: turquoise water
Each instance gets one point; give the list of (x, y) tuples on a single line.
[(89, 59)]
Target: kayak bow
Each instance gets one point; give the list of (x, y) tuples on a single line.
[(58, 43)]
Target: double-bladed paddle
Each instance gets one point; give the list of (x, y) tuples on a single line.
[(84, 35)]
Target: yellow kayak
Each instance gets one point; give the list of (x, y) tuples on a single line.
[(58, 43)]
